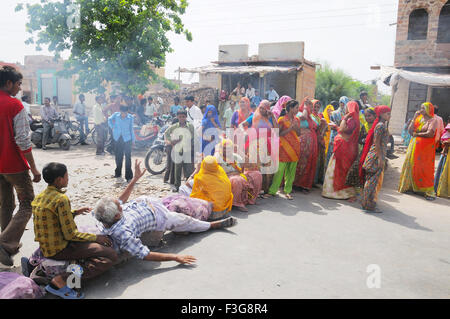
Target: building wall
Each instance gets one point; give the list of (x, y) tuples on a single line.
[(420, 53), (306, 83), (210, 80), (399, 107)]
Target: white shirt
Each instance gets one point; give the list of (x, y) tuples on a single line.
[(194, 116), (250, 93), (150, 110), (272, 95), (27, 107)]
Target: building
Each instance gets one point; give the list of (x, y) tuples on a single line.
[(279, 64), (422, 60)]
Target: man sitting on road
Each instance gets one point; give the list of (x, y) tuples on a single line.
[(58, 235), (126, 222)]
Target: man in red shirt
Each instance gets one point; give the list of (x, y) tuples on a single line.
[(16, 159)]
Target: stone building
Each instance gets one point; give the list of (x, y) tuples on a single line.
[(422, 60), (279, 64)]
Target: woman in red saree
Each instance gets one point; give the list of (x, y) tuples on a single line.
[(307, 163), (418, 169), (345, 151)]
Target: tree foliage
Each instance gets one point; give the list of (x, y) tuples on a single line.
[(332, 84), (116, 41)]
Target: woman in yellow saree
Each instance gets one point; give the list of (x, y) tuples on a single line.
[(326, 115), (211, 183), (418, 169)]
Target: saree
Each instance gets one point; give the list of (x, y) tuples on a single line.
[(328, 132), (281, 104), (345, 152), (373, 174), (212, 184), (336, 117), (207, 124), (307, 163), (418, 169), (245, 186), (442, 179)]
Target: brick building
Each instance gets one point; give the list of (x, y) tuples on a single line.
[(422, 59)]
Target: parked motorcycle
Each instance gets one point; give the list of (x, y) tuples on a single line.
[(58, 134), (156, 158)]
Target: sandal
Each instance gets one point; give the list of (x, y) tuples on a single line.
[(65, 292), (289, 196), (430, 198)]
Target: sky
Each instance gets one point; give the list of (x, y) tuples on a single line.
[(351, 35)]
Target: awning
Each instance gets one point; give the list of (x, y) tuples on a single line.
[(261, 69), (427, 78)]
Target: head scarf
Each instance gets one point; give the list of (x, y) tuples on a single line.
[(206, 122), (260, 121), (381, 109), (328, 133), (344, 100), (353, 110), (211, 183), (281, 104), (312, 124), (420, 120), (446, 136), (245, 113), (325, 112)]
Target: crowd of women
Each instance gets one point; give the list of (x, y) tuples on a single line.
[(343, 148)]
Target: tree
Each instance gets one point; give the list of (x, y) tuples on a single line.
[(332, 84), (115, 41)]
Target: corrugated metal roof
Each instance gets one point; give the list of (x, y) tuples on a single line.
[(261, 69)]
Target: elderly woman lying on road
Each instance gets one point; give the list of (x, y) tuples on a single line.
[(126, 221)]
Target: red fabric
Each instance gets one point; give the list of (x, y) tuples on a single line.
[(244, 115), (346, 151), (380, 109), (306, 166), (12, 160)]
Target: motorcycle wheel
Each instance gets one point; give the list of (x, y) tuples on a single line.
[(155, 161), (73, 129), (64, 144), (94, 136)]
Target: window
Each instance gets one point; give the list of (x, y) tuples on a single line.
[(444, 24), (418, 25)]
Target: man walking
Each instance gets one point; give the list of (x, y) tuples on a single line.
[(181, 137), (100, 124), (121, 124), (79, 110), (194, 114), (16, 158), (48, 115)]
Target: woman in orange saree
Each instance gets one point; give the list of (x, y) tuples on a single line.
[(418, 169), (345, 151)]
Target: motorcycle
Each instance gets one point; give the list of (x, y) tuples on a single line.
[(146, 135), (58, 134), (156, 158)]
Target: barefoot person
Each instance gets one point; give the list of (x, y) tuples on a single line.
[(125, 221), (371, 165), (16, 159), (289, 150), (58, 235)]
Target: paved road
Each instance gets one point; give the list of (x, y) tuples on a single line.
[(310, 247)]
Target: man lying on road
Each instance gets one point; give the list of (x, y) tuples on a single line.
[(126, 222)]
